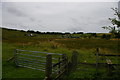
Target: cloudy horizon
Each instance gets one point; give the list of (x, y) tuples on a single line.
[(58, 17)]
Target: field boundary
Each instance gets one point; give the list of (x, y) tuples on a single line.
[(53, 70), (109, 64), (63, 66)]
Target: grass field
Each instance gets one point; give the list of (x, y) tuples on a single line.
[(54, 44)]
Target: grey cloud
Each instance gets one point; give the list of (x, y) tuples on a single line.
[(58, 16), (16, 12), (32, 19), (74, 29)]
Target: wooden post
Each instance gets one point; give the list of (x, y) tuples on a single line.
[(109, 62), (109, 69), (63, 59), (97, 56), (64, 62), (15, 58), (48, 70), (59, 65), (74, 58)]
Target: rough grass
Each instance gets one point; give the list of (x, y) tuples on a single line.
[(108, 45), (53, 44)]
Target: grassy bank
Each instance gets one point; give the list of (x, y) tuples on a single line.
[(53, 44)]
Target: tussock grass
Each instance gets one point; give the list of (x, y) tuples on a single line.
[(49, 43)]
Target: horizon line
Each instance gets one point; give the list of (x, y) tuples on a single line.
[(51, 31)]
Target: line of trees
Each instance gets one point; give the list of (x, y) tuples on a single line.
[(38, 32), (57, 33)]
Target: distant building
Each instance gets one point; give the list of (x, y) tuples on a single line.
[(31, 35)]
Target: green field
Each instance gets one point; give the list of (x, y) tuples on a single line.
[(86, 48)]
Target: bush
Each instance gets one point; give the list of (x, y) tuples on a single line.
[(104, 36)]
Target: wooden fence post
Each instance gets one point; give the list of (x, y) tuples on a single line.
[(59, 65), (15, 58), (63, 59), (109, 69), (74, 58), (97, 56), (64, 63), (48, 70)]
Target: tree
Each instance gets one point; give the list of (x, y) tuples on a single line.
[(104, 36), (115, 29)]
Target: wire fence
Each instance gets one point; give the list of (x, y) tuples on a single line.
[(104, 65), (56, 65)]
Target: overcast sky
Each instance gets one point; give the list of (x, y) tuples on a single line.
[(58, 16)]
